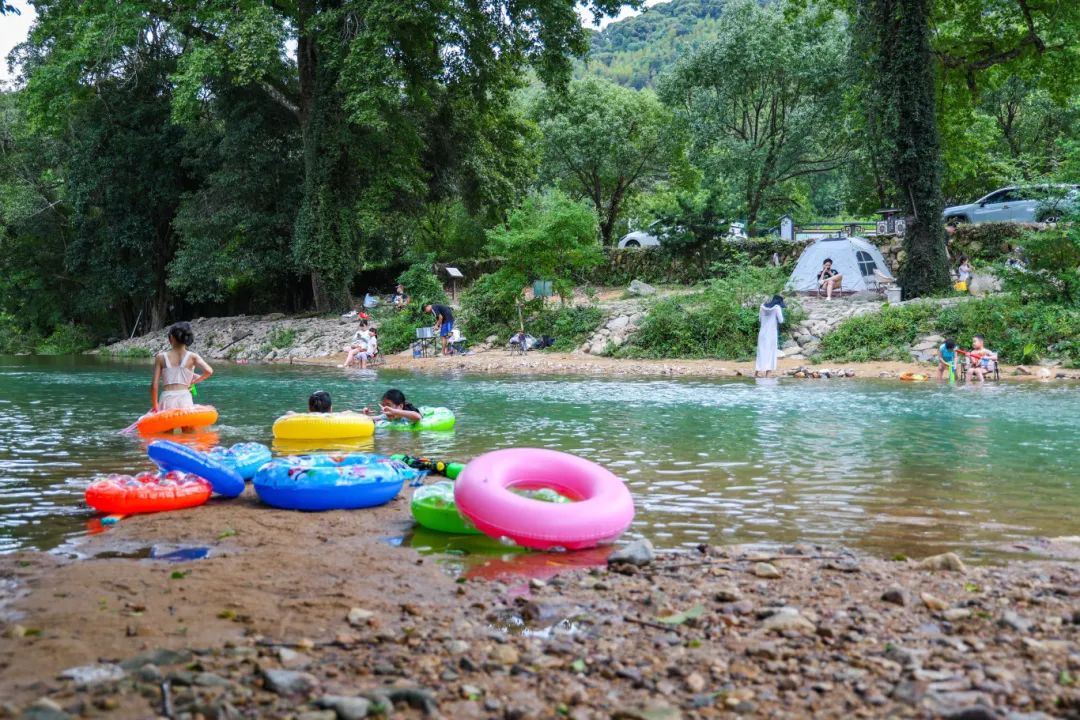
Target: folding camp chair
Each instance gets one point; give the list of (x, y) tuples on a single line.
[(995, 369)]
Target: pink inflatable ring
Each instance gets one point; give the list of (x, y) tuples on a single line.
[(601, 511)]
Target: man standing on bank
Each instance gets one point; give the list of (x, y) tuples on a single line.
[(444, 323)]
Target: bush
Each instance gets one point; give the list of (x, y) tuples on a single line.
[(1053, 267), (65, 340), (397, 328), (1018, 332), (490, 305), (721, 321), (15, 339), (133, 353), (989, 242), (570, 325), (886, 335)]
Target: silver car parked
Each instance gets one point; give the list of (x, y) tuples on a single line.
[(1025, 204)]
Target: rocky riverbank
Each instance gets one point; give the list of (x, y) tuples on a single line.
[(320, 619), (260, 338)]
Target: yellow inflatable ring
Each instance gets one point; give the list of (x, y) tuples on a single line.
[(914, 377), (323, 426)]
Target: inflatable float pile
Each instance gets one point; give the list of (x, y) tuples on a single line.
[(914, 377), (245, 458), (323, 426), (431, 418), (147, 493), (169, 420), (170, 455), (331, 482), (488, 494)]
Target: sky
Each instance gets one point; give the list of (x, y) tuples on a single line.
[(13, 28)]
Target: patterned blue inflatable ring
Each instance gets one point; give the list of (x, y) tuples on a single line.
[(245, 458), (169, 455), (331, 482)]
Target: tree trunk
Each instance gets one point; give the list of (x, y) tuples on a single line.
[(901, 80)]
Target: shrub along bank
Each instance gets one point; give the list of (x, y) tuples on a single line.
[(1019, 332), (720, 321)]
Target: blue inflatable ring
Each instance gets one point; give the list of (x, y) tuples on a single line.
[(245, 458), (331, 482), (169, 455)]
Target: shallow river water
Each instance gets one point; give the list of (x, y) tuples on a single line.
[(878, 465)]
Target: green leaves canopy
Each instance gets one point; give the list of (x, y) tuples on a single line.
[(606, 143), (763, 102)]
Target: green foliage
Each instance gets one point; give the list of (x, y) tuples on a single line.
[(422, 286), (886, 335), (133, 353), (635, 51), (760, 102), (490, 305), (281, 338), (989, 242), (606, 143), (1017, 331), (550, 237), (397, 328), (66, 339), (1052, 273), (15, 338), (721, 321), (893, 64), (570, 325)]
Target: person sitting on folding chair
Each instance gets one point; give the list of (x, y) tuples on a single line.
[(982, 358)]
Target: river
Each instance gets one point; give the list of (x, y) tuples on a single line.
[(877, 465)]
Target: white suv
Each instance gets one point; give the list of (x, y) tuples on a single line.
[(1025, 204)]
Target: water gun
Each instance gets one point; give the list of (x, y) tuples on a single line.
[(436, 467)]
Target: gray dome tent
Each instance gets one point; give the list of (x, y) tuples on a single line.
[(854, 258)]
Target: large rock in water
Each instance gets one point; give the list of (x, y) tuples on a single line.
[(638, 287), (639, 552)]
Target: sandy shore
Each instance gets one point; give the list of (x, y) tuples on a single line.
[(501, 362), (319, 617)]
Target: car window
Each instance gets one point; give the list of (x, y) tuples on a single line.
[(995, 197)]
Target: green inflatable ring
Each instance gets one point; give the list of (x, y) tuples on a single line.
[(433, 507), (431, 418)]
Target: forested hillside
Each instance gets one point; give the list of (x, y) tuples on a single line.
[(634, 51)]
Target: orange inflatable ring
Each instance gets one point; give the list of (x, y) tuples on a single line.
[(147, 493), (914, 377), (167, 420)]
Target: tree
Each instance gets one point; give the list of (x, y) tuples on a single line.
[(606, 143), (550, 237), (894, 58), (763, 102), (370, 90)]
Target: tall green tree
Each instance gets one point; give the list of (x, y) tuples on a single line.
[(605, 143), (894, 57), (762, 102), (370, 86)]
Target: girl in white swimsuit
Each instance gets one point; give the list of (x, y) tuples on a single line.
[(174, 371)]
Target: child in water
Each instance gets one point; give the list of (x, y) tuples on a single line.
[(946, 358), (319, 402), (174, 369), (396, 407)]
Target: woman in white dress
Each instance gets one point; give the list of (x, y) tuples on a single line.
[(771, 315)]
